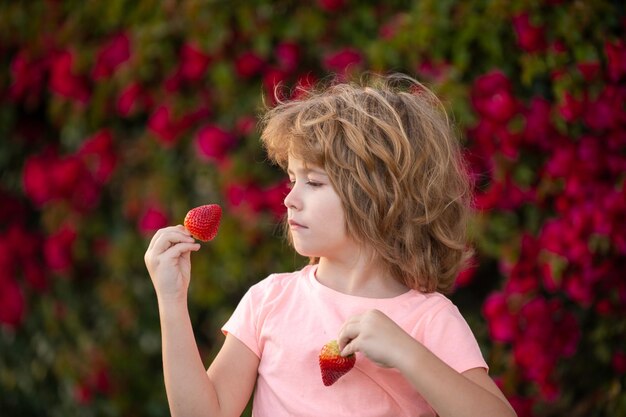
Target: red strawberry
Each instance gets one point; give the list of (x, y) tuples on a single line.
[(203, 222), (332, 364)]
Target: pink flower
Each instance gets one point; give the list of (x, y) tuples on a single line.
[(64, 82), (36, 179), (111, 55), (493, 98), (245, 199), (245, 125), (58, 249), (303, 84), (164, 126), (436, 71), (35, 275), (275, 198), (538, 129), (152, 219), (28, 77), (616, 59), (523, 406), (193, 62), (619, 362), (248, 64), (12, 303), (272, 82), (66, 173), (466, 276), (570, 107), (501, 321), (331, 5), (393, 26), (343, 61), (589, 69), (213, 143), (133, 98), (530, 38), (288, 56), (98, 155), (604, 112)]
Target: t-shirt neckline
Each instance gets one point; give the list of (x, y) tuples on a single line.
[(329, 292)]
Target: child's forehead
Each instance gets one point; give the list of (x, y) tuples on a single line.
[(295, 164)]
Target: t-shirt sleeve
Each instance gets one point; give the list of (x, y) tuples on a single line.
[(243, 323), (450, 338)]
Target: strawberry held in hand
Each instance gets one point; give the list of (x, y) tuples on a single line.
[(332, 364), (203, 222)]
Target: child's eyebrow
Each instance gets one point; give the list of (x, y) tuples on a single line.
[(308, 170)]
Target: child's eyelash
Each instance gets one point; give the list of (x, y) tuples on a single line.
[(292, 183)]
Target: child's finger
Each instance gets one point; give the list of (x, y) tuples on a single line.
[(179, 249), (348, 333), (168, 238)]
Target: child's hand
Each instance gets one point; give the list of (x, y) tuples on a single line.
[(376, 336), (168, 260)]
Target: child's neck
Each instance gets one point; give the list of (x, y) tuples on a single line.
[(359, 277)]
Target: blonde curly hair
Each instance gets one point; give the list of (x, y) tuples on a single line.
[(392, 157)]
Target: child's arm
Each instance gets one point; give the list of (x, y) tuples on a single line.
[(447, 391), (225, 388)]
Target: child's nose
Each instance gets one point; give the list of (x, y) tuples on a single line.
[(291, 200)]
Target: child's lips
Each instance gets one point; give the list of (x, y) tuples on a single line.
[(295, 225)]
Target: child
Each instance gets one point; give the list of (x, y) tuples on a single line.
[(378, 202)]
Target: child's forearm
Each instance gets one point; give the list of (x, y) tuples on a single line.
[(190, 392), (451, 394)]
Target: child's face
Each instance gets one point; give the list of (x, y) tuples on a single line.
[(315, 214)]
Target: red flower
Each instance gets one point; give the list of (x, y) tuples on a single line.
[(275, 198), (12, 304), (66, 173), (111, 55), (133, 98), (530, 38), (616, 59), (193, 62), (245, 125), (64, 82), (246, 199), (589, 69), (213, 143), (248, 64), (98, 155), (164, 126), (272, 82), (570, 108), (619, 362), (343, 61), (288, 56), (604, 112), (152, 219), (303, 84), (501, 321), (538, 130), (331, 5), (28, 77), (492, 97), (58, 249), (466, 276), (36, 179)]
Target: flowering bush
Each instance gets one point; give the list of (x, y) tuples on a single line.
[(117, 117)]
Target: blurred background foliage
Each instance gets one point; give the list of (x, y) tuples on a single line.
[(118, 116)]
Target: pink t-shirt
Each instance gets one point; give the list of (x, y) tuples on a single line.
[(287, 318)]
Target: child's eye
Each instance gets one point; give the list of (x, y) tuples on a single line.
[(314, 183)]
